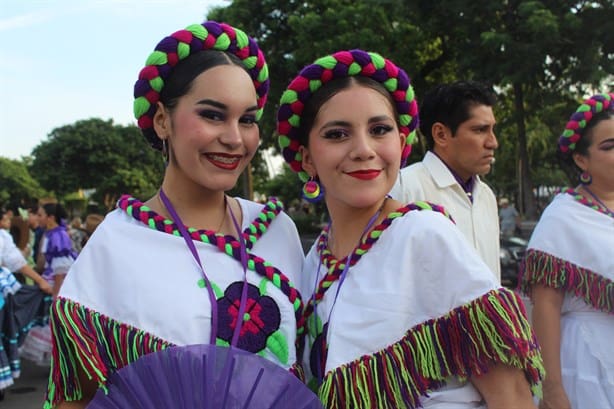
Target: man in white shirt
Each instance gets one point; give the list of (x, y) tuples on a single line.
[(458, 123)]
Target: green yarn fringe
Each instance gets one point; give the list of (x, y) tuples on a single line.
[(88, 342), (490, 330), (543, 268)]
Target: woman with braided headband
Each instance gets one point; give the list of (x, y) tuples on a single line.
[(569, 269), (145, 281), (389, 323)]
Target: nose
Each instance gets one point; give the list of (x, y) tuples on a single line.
[(231, 135), (491, 141), (362, 148)]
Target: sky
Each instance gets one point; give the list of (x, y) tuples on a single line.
[(62, 61)]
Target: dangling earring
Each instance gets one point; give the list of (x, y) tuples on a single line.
[(586, 178), (312, 191), (165, 152)]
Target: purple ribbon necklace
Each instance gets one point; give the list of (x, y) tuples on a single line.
[(190, 243)]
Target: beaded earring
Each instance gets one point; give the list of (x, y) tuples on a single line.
[(585, 178), (312, 191)]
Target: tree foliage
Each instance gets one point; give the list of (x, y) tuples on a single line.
[(17, 186), (96, 154), (541, 57)]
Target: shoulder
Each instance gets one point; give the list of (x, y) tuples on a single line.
[(422, 217), (414, 169), (259, 212)]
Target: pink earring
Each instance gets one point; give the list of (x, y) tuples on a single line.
[(312, 191), (586, 178)]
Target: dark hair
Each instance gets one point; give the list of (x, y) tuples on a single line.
[(330, 89), (566, 161), (180, 81), (56, 210), (450, 104)]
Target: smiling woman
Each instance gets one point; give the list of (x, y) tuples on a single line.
[(189, 265), (386, 303)]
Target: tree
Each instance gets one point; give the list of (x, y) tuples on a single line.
[(539, 55), (96, 154), (17, 186), (533, 51)]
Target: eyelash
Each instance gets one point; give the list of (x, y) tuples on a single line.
[(376, 130), (248, 120)]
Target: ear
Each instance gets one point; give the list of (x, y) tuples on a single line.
[(580, 160), (307, 161), (403, 140), (441, 135), (162, 121)]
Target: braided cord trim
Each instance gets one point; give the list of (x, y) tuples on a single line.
[(229, 245), (209, 35), (335, 266), (580, 198), (339, 65), (579, 119)]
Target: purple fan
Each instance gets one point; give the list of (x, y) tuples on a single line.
[(204, 376)]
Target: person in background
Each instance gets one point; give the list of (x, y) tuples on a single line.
[(458, 123), (403, 312), (92, 221), (509, 219), (56, 253), (12, 258), (5, 221), (568, 269), (19, 305), (77, 234), (181, 266)]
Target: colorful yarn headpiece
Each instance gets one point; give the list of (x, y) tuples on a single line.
[(583, 115), (209, 35), (339, 65)]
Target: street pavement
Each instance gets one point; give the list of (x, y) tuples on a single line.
[(29, 389)]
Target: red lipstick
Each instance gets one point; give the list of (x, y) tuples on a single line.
[(224, 160), (367, 174)]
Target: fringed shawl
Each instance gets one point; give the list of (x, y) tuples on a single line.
[(418, 309), (490, 330), (571, 249)]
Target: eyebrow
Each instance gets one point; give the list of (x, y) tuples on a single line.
[(220, 105), (371, 120)]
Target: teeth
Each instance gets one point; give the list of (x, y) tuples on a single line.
[(224, 159)]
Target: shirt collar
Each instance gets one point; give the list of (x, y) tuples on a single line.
[(444, 175)]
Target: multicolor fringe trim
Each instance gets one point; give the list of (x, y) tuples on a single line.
[(87, 341), (490, 330), (543, 268), (93, 343)]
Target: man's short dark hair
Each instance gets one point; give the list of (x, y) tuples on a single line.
[(450, 104)]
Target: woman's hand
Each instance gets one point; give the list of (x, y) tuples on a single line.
[(44, 286), (554, 397)]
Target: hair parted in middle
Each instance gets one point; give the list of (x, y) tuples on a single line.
[(356, 64)]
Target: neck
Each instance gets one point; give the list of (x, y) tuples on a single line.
[(197, 207), (605, 195), (348, 225)]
